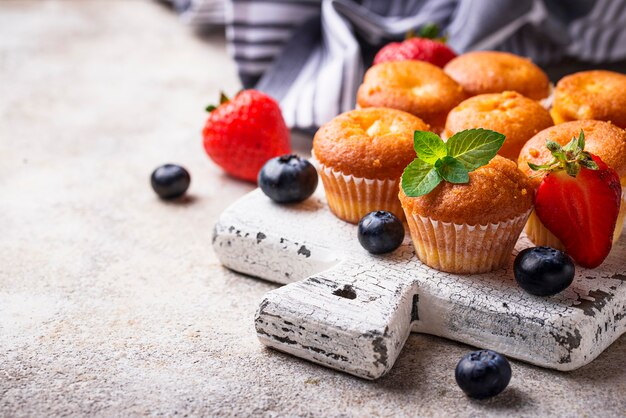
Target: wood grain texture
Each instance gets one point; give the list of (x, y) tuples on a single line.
[(347, 309)]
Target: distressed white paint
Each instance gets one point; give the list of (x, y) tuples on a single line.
[(347, 309)]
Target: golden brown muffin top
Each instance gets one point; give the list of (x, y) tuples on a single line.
[(496, 192), (598, 95), (603, 139), (416, 87), (510, 113), (481, 72), (374, 143)]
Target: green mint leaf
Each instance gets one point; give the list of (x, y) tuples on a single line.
[(419, 178), (474, 147), (429, 146), (452, 170)]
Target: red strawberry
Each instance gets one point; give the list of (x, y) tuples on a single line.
[(241, 134), (578, 201), (423, 48)]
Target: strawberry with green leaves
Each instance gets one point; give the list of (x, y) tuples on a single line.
[(451, 161), (578, 200), (242, 134), (426, 47)]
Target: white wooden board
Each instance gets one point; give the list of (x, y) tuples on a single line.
[(347, 309)]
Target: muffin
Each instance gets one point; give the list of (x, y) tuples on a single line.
[(417, 87), (361, 155), (509, 113), (472, 227), (597, 95), (603, 139), (483, 72)]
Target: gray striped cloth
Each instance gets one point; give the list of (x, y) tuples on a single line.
[(311, 54)]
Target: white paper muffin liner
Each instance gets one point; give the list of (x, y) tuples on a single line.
[(463, 248), (350, 198), (540, 235)]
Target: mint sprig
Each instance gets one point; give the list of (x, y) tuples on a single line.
[(451, 161)]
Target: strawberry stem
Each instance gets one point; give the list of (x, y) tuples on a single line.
[(223, 99), (570, 158), (429, 31)]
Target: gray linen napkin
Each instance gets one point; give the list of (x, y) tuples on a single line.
[(311, 54)]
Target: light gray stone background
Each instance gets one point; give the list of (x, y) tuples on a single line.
[(112, 303)]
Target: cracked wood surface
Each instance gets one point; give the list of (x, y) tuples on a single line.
[(346, 309)]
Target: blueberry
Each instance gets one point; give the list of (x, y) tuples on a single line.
[(380, 232), (543, 271), (483, 374), (170, 181), (288, 179)]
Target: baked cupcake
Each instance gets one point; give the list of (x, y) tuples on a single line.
[(472, 226), (509, 113), (603, 139), (483, 72), (597, 95), (417, 87), (361, 155)]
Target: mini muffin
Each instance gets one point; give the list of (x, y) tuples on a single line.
[(417, 87), (598, 95), (483, 72), (603, 139), (361, 155), (472, 227), (509, 113)]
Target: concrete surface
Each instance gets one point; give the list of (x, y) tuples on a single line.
[(112, 302)]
